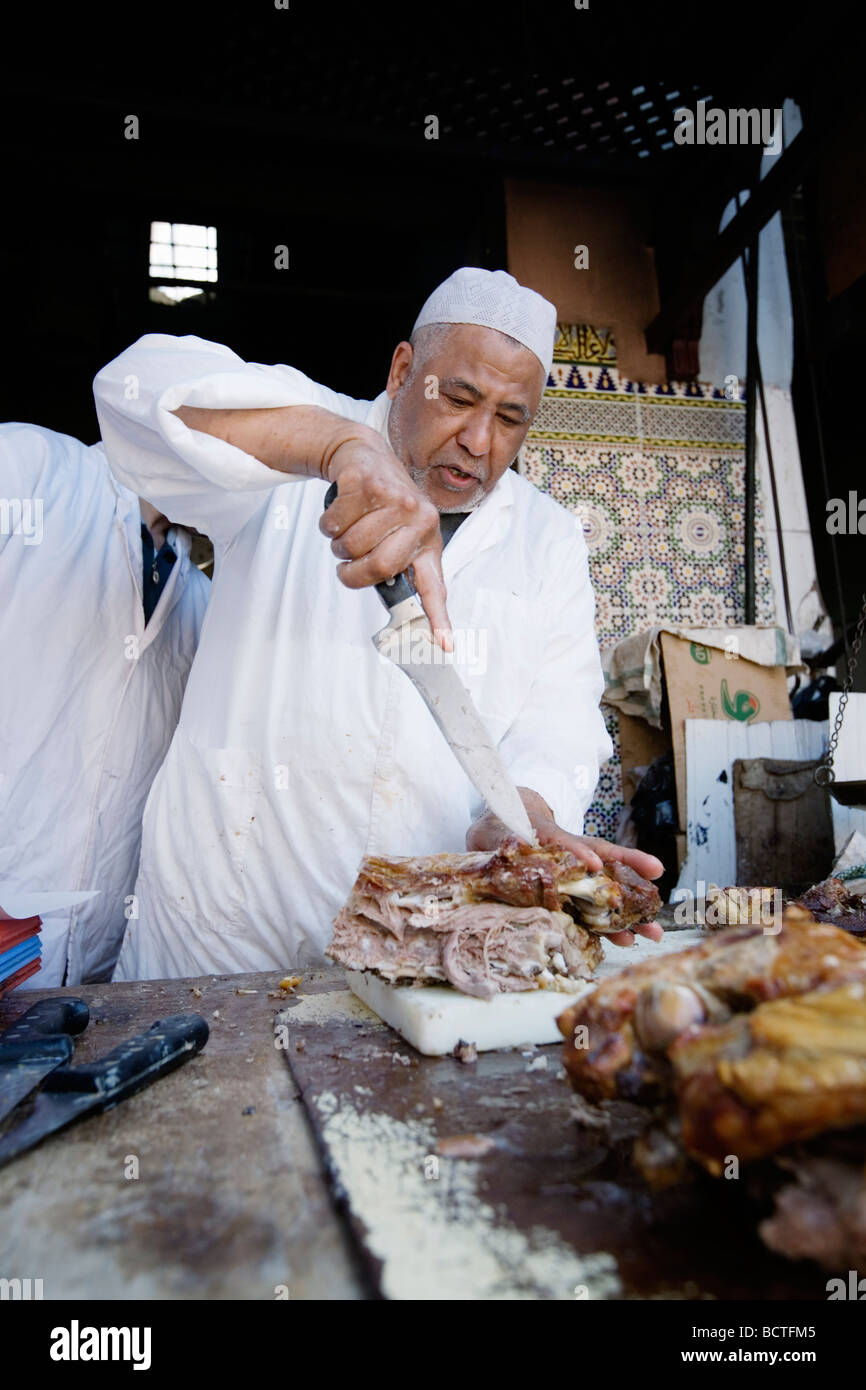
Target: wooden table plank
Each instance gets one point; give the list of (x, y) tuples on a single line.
[(227, 1204)]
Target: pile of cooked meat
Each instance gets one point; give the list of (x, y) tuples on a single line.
[(750, 1047), (514, 918), (830, 901)]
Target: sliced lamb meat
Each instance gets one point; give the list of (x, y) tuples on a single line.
[(612, 900), (511, 919), (515, 874), (481, 948)]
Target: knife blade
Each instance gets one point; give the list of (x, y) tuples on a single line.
[(70, 1093), (38, 1042), (407, 640)]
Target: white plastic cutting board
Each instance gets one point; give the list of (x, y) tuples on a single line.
[(435, 1018)]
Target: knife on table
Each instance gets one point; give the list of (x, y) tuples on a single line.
[(407, 640), (70, 1093), (38, 1042)]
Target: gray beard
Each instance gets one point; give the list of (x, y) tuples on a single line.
[(394, 437), (468, 505)]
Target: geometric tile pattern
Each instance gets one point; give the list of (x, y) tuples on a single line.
[(656, 475)]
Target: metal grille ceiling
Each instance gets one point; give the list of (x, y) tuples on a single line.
[(496, 113), (562, 113), (592, 90)]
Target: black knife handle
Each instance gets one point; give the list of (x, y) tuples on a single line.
[(390, 591), (48, 1016), (136, 1062), (55, 1047)]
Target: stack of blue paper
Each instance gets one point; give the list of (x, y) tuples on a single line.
[(20, 950)]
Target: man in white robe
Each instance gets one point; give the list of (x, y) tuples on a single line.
[(93, 677), (300, 749)]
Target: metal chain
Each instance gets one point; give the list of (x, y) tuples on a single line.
[(825, 766)]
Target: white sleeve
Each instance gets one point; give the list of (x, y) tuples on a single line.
[(194, 478), (49, 482), (558, 741), (31, 457)]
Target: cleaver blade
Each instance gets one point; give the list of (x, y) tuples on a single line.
[(407, 642)]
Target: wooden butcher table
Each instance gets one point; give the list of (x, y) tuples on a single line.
[(309, 1151), (231, 1200)]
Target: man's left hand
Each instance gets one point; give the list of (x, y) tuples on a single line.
[(488, 832)]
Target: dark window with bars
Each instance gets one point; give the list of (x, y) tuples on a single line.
[(181, 252)]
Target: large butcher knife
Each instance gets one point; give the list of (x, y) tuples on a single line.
[(407, 640), (70, 1093)]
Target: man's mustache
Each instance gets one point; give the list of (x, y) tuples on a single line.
[(480, 475)]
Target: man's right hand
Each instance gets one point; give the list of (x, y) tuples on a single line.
[(380, 524)]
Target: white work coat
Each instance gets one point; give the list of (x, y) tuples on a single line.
[(300, 749), (89, 697)]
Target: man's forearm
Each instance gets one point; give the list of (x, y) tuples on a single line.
[(379, 524), (291, 439)]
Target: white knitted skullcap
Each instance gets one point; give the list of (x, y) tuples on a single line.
[(494, 299)]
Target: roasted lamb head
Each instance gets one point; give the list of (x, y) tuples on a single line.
[(618, 1036), (792, 1068)]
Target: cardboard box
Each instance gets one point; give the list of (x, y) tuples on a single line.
[(639, 745), (707, 683)]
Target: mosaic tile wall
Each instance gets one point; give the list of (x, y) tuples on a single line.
[(656, 475)]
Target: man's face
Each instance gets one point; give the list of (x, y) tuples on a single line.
[(459, 418)]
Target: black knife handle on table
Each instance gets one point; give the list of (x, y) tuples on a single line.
[(53, 1047), (136, 1062), (46, 1017), (390, 591)]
